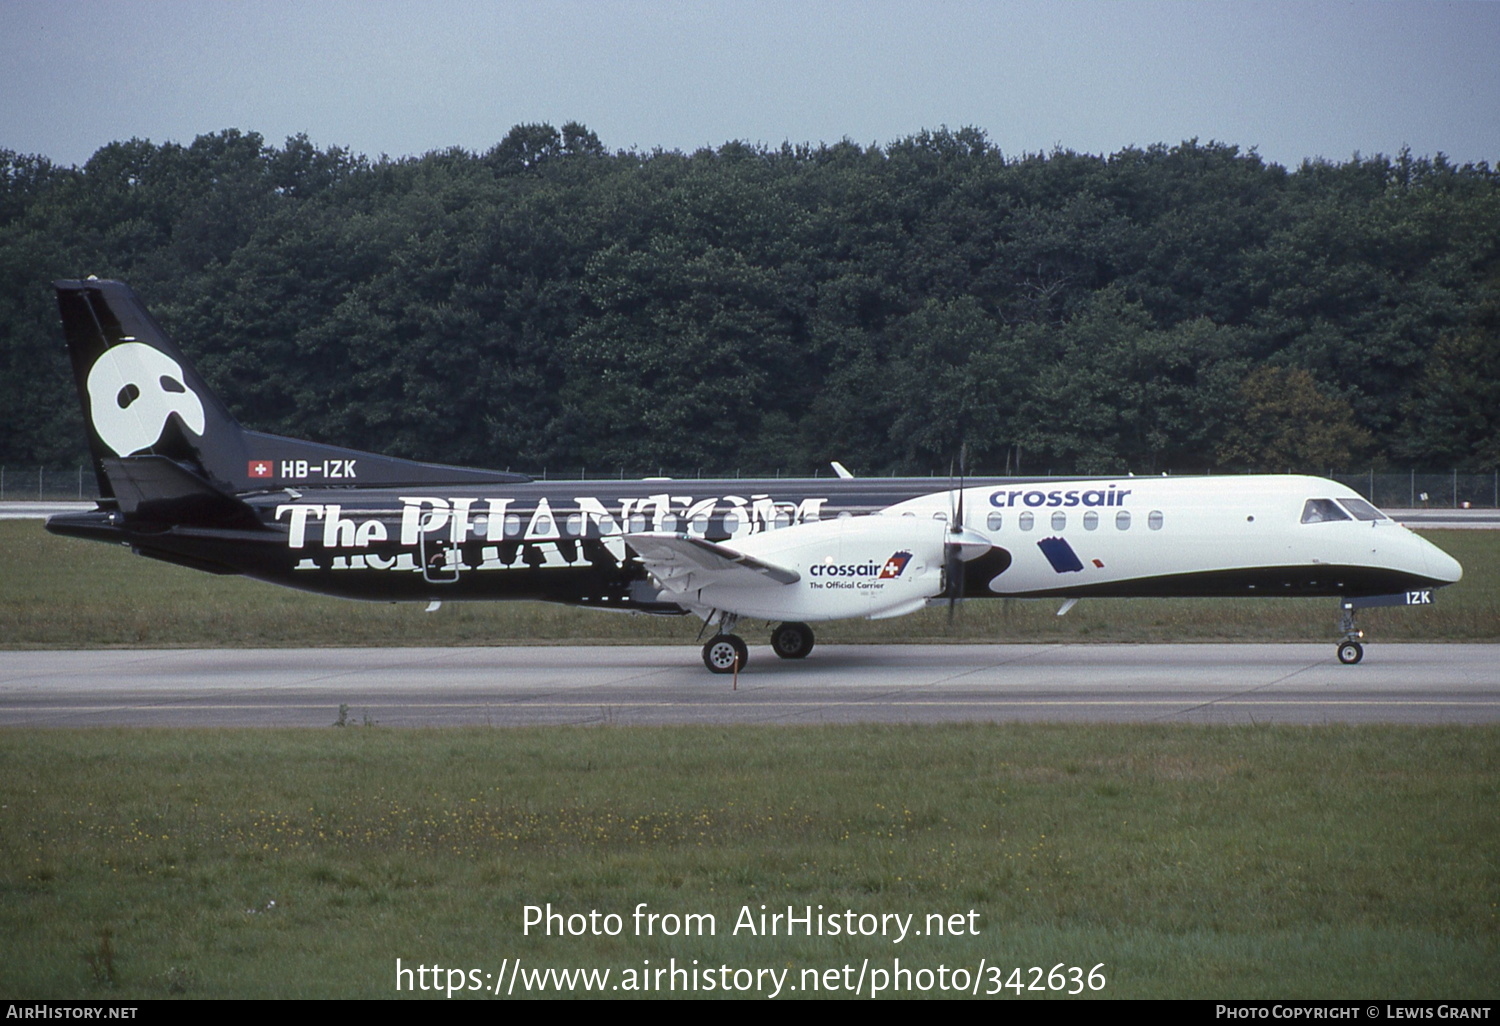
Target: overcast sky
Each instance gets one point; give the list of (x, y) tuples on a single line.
[(1289, 79)]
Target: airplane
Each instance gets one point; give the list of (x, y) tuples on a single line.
[(181, 480)]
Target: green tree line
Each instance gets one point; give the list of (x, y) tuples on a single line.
[(548, 304)]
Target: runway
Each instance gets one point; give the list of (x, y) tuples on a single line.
[(657, 685)]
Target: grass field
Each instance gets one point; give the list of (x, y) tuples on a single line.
[(65, 593), (1225, 862), (1189, 861)]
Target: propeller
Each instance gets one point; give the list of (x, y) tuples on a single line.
[(961, 545), (953, 553)]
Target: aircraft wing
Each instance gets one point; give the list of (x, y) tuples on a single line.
[(681, 563)]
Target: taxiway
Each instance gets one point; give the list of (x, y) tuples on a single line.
[(641, 685)]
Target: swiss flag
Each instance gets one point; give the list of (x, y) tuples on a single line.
[(259, 468)]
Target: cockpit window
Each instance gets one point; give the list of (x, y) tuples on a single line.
[(1320, 511), (1362, 510)]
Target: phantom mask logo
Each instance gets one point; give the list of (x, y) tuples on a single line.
[(133, 389)]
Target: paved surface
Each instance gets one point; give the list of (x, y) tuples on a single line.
[(40, 510), (1447, 519), (1397, 683)]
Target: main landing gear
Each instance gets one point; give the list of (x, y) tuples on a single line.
[(1350, 650), (727, 653), (792, 640)]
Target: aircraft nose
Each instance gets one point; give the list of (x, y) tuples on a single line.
[(1442, 566)]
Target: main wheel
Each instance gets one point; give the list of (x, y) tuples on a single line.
[(723, 652), (1351, 652), (792, 640)]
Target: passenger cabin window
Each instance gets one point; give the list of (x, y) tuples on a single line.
[(1153, 520), (575, 525), (1362, 510), (1321, 511), (994, 520), (1122, 520), (1090, 520), (1059, 521), (1025, 520)]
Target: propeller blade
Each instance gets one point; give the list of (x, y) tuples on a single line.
[(955, 582), (963, 471), (953, 552)]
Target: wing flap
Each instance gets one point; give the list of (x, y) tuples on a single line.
[(681, 563)]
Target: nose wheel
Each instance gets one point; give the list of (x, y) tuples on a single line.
[(1350, 650), (725, 653)]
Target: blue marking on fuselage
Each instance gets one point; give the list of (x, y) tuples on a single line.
[(1060, 554)]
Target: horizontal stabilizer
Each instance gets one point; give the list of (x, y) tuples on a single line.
[(155, 489), (682, 563), (269, 462)]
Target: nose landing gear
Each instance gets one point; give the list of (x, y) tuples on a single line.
[(1350, 649)]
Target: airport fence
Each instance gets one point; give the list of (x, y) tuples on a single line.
[(1411, 489), (1419, 490), (48, 484)]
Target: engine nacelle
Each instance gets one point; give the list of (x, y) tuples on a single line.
[(871, 566)]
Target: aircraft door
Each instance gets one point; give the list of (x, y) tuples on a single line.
[(441, 557)]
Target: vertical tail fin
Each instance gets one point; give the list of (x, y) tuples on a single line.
[(140, 395), (146, 406)]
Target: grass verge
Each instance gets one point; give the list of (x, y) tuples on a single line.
[(1192, 862)]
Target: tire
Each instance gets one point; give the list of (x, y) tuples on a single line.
[(792, 640), (1351, 652), (722, 653)]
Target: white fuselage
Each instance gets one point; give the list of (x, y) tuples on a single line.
[(1137, 536)]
